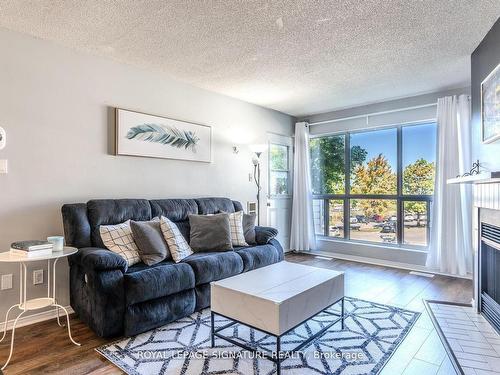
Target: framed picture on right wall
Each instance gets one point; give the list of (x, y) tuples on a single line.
[(490, 106)]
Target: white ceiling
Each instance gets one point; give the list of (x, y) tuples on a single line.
[(298, 57)]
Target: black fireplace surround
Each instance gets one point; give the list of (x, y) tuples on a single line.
[(489, 270)]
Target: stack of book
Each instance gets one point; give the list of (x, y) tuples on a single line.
[(32, 248)]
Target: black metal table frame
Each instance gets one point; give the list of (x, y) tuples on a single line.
[(277, 356)]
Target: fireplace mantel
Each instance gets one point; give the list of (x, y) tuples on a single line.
[(481, 178), (487, 195)]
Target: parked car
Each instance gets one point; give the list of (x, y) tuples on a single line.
[(393, 218), (388, 228), (388, 238), (353, 220), (355, 226), (409, 218), (362, 219), (334, 231)]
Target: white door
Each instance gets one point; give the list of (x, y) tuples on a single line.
[(279, 189)]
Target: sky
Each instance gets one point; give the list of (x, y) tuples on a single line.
[(419, 141)]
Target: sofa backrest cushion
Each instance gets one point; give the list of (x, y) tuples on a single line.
[(82, 220), (177, 211), (115, 211), (210, 206), (237, 206)]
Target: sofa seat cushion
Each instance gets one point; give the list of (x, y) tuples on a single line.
[(258, 256), (212, 266), (145, 316), (144, 283)]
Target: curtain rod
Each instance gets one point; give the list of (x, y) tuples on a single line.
[(372, 114)]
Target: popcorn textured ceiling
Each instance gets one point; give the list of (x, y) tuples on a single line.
[(298, 57)]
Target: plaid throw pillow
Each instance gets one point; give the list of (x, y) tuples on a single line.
[(118, 238), (177, 244), (236, 226)]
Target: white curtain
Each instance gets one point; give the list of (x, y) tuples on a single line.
[(450, 250), (302, 237)]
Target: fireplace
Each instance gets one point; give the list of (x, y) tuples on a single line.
[(489, 267)]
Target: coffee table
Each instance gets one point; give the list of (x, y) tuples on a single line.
[(275, 300)]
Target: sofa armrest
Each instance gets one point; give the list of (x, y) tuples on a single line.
[(97, 259), (97, 294), (264, 234)]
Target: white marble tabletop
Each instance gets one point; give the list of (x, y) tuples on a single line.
[(278, 297), (278, 282)]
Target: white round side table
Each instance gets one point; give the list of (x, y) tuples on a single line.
[(36, 303)]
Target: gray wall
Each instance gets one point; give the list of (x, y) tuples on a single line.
[(55, 106), (483, 60)]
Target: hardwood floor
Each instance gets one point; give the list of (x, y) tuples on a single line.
[(421, 352), (44, 347)]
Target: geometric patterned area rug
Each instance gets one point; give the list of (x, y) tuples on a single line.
[(371, 334)]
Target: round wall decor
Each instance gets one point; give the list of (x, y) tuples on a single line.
[(3, 138)]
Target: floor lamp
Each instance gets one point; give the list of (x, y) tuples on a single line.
[(257, 150)]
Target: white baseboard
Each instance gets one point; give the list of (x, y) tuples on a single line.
[(386, 263), (35, 318)]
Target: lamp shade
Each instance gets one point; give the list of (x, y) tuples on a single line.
[(258, 148)]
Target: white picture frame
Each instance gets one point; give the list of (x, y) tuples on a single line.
[(490, 106), (146, 135)]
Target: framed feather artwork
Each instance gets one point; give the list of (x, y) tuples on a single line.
[(140, 134)]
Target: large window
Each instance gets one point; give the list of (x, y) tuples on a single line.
[(375, 186)]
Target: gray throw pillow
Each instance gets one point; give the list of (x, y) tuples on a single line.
[(210, 233), (149, 239), (249, 228)]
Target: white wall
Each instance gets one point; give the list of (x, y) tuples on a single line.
[(56, 106)]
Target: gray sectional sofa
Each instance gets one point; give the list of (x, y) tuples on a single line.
[(114, 299)]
